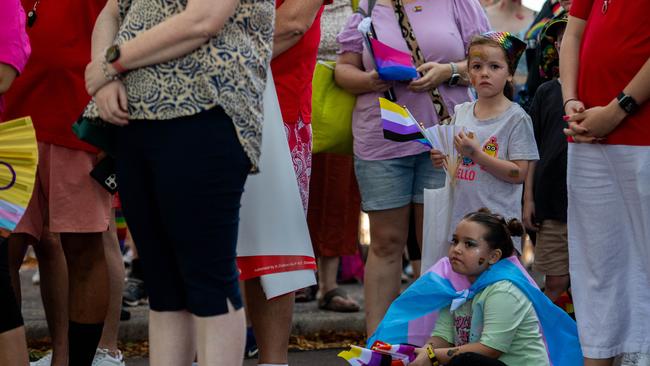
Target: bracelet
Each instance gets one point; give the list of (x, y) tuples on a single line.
[(108, 76), (432, 356), (567, 102), (118, 67)]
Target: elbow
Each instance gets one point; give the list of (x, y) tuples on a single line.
[(293, 28)]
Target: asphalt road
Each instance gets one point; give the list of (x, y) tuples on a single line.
[(306, 358)]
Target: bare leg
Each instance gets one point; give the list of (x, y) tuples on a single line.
[(54, 292), (327, 270), (388, 232), (221, 338), (171, 338), (18, 244), (87, 275), (116, 275), (555, 286), (598, 362), (13, 348), (271, 321)]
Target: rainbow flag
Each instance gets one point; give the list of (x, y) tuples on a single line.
[(380, 354), (397, 122), (392, 64)]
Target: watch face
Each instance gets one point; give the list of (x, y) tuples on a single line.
[(112, 53)]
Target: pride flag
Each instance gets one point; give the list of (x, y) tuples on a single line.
[(392, 64), (398, 123), (380, 354)]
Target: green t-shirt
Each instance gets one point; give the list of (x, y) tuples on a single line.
[(500, 317)]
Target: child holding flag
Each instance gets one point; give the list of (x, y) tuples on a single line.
[(496, 154)]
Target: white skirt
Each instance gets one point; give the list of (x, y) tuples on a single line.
[(273, 241), (609, 247)]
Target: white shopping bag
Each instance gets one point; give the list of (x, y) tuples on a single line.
[(436, 233), (274, 242)]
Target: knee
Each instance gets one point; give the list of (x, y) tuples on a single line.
[(84, 254), (388, 246)]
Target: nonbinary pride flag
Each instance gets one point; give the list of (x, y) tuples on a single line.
[(392, 64), (397, 122)]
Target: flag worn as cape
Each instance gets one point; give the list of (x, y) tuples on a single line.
[(432, 292)]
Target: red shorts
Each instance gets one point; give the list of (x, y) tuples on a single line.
[(66, 198)]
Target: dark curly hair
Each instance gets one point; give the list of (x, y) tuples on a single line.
[(499, 231)]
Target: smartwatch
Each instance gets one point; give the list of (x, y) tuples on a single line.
[(432, 356), (627, 103), (455, 76), (112, 56)]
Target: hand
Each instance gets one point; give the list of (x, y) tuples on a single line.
[(438, 158), (597, 122), (573, 129), (422, 358), (528, 215), (573, 107), (434, 74), (112, 103), (95, 77), (467, 144), (374, 83)]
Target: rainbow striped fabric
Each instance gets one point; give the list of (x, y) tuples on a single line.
[(392, 64), (380, 354)]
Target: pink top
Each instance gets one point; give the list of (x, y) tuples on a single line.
[(443, 29), (14, 44)]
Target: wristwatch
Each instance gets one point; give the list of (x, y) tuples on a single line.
[(432, 356), (112, 56), (627, 103), (455, 76)]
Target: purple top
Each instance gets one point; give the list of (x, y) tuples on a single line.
[(14, 43), (443, 29)]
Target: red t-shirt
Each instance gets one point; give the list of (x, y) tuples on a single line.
[(293, 71), (51, 89), (615, 45)]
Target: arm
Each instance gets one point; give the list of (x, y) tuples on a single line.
[(528, 214), (446, 354), (174, 37), (350, 76), (510, 171), (569, 63), (105, 29), (7, 76), (292, 20)]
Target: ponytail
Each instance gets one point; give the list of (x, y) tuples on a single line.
[(499, 232)]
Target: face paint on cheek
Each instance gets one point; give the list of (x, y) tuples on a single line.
[(481, 261)]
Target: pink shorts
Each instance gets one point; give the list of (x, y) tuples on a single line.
[(66, 198)]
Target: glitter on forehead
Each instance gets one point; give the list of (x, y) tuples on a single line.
[(513, 46)]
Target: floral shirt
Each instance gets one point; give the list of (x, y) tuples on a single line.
[(229, 70)]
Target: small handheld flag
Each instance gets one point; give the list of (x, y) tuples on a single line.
[(398, 123), (392, 64)]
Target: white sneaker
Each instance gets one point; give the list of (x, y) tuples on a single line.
[(44, 361), (104, 358)]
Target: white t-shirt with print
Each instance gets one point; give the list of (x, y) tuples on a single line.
[(508, 137)]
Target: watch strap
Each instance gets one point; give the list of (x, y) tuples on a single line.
[(627, 103), (432, 355)]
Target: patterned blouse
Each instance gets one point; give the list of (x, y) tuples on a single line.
[(229, 70)]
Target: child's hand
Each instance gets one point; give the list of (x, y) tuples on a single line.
[(467, 144), (528, 215), (422, 358), (438, 158)]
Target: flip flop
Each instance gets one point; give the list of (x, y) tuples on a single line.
[(327, 302)]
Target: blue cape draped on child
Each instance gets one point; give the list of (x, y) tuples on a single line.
[(420, 303)]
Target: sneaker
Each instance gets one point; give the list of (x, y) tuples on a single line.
[(36, 278), (250, 350), (134, 292), (124, 314), (104, 358), (44, 361)]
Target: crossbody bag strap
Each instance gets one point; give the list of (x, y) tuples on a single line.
[(418, 59), (367, 13)]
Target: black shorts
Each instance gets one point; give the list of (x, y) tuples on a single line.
[(10, 317), (180, 182)]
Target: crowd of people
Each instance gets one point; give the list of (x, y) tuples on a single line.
[(554, 145)]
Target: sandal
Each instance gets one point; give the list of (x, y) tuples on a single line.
[(344, 304), (306, 294)]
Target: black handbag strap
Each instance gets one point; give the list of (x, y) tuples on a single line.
[(368, 12)]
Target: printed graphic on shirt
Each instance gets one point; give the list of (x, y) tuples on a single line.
[(491, 147), (462, 326)]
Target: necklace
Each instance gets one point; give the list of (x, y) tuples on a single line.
[(605, 5), (31, 16)]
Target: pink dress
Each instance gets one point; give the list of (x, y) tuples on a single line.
[(14, 44)]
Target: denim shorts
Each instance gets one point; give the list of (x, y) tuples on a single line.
[(393, 183)]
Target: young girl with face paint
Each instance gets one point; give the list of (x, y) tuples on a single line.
[(499, 325), (496, 154)]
